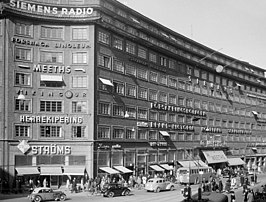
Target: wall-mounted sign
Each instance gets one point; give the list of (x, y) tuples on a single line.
[(235, 131), (158, 144), (48, 10), (52, 69), (52, 149), (211, 130), (29, 42), (51, 119), (171, 126), (70, 45)]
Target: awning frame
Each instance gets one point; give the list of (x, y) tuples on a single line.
[(26, 171)]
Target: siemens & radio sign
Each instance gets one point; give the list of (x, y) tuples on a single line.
[(49, 10)]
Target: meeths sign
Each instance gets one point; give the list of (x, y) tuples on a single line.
[(48, 10)]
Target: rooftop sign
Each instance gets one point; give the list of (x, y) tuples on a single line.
[(49, 10)]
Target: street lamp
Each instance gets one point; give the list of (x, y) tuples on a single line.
[(200, 187)]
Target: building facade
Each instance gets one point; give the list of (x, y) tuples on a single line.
[(92, 87)]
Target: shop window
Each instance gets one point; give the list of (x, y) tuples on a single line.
[(79, 81), (25, 160), (52, 32), (51, 106), (23, 54), (79, 107), (50, 131), (22, 29), (103, 158), (80, 33), (51, 57), (23, 105), (79, 57), (78, 131), (22, 131), (22, 79), (118, 133), (117, 157), (103, 132), (77, 160), (118, 43), (104, 37)]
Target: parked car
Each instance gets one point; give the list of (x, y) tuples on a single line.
[(159, 184), (46, 194), (115, 189)]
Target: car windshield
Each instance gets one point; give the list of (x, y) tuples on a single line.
[(183, 172), (35, 191)]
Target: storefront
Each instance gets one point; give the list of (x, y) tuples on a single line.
[(216, 159), (52, 165)]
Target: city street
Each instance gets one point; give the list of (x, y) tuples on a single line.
[(138, 195)]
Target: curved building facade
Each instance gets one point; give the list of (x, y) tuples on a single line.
[(91, 86)]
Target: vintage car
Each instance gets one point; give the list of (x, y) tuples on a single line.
[(159, 184), (46, 194), (115, 189)]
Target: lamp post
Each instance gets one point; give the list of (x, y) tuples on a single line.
[(200, 186)]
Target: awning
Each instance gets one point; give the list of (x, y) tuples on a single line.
[(164, 133), (27, 171), (123, 169), (58, 78), (167, 167), (235, 161), (109, 170), (51, 170), (187, 163), (215, 156), (157, 168), (74, 170), (106, 82)]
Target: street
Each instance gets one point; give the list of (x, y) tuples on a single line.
[(137, 195)]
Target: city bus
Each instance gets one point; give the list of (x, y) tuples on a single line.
[(193, 175)]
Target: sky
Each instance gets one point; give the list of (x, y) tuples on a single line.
[(236, 28)]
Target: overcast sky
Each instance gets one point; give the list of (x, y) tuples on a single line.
[(237, 27)]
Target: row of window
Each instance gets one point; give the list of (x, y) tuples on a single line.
[(50, 131), (119, 66), (171, 48), (52, 32), (25, 54), (76, 81), (48, 160), (51, 106), (129, 133)]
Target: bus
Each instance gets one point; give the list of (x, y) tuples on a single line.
[(193, 175)]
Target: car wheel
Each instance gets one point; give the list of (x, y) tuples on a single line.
[(38, 199), (62, 197), (157, 190), (172, 188), (111, 194), (126, 193)]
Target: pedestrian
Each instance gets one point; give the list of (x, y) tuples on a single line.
[(44, 182), (250, 196), (220, 185), (232, 197), (74, 186), (242, 180), (245, 194), (187, 192)]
